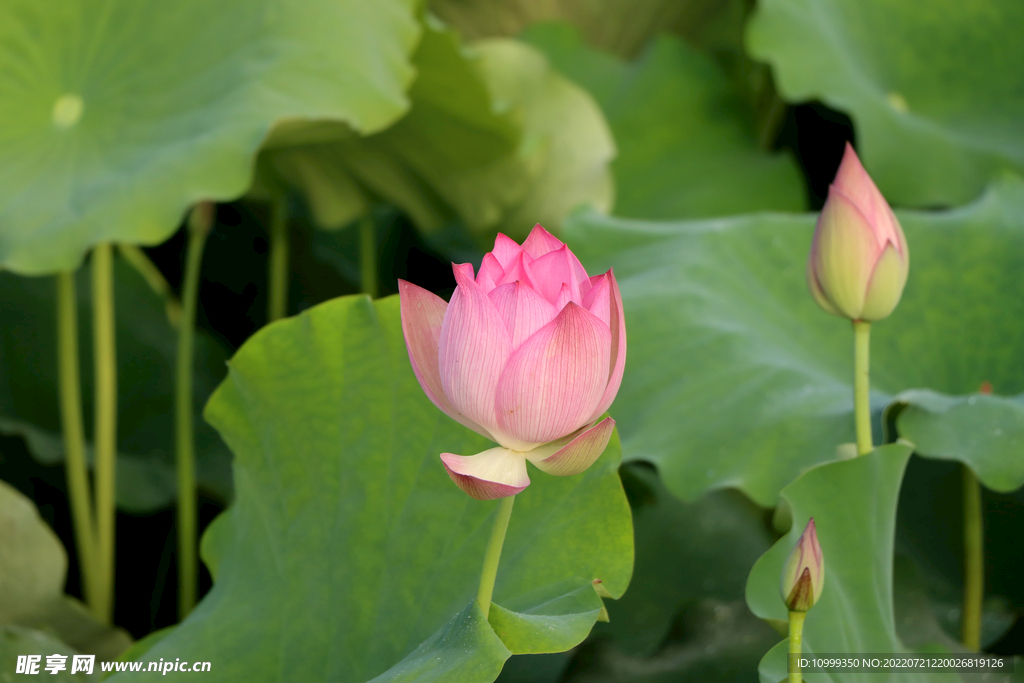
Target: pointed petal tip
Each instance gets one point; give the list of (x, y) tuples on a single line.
[(506, 250), (463, 271), (540, 242)]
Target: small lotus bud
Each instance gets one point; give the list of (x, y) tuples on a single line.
[(804, 575), (859, 260)]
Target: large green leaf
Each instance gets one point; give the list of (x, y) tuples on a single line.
[(348, 551), (723, 642), (685, 136), (33, 567), (936, 91), (451, 131), (684, 552), (566, 141), (985, 431), (115, 116), (736, 378), (854, 508), (146, 346), (867, 605), (16, 641), (494, 137), (621, 27)]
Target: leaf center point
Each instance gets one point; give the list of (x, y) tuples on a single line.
[(67, 110)]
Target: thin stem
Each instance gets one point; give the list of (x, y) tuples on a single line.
[(493, 554), (74, 433), (368, 254), (974, 578), (277, 305), (138, 260), (862, 385), (200, 222), (773, 119), (105, 430), (796, 639)]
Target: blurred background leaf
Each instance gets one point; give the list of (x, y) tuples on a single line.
[(618, 27), (736, 378), (116, 116), (34, 612), (986, 431), (494, 137), (686, 137), (935, 91), (685, 552), (146, 343), (929, 534)]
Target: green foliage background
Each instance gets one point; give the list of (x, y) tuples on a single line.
[(666, 140)]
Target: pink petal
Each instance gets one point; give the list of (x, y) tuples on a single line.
[(519, 271), (844, 252), (553, 270), (582, 279), (490, 273), (855, 183), (553, 382), (422, 316), (523, 310), (506, 250), (617, 325), (473, 347), (563, 298), (540, 242), (598, 299), (495, 473), (578, 454)]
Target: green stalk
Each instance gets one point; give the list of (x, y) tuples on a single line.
[(796, 639), (974, 574), (73, 430), (772, 121), (199, 224), (105, 430), (862, 385), (277, 305), (368, 254), (493, 554), (138, 260)]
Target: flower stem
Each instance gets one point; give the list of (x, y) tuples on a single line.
[(199, 225), (368, 254), (796, 639), (74, 433), (493, 554), (105, 430), (974, 578), (277, 305), (862, 385)]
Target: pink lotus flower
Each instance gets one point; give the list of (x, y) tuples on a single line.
[(859, 261), (529, 353)]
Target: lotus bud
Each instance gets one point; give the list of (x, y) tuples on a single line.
[(859, 260), (529, 352), (804, 575)]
